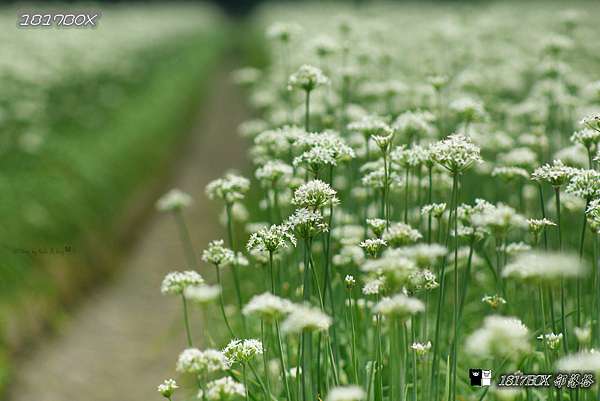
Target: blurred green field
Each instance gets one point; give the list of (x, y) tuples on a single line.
[(89, 119)]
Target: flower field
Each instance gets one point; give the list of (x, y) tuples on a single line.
[(88, 118), (424, 200)]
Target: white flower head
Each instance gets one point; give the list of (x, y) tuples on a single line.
[(468, 109), (268, 307), (556, 174), (173, 200), (377, 226), (435, 209), (242, 351), (350, 281), (371, 125), (315, 194), (422, 280), (399, 305), (304, 317), (176, 282), (537, 225), (202, 294), (167, 388), (399, 234), (346, 393), (414, 124), (592, 122), (456, 153), (584, 184), (494, 301), (583, 361), (229, 188), (224, 389), (499, 336), (307, 78), (593, 215), (307, 223), (195, 361), (372, 246), (587, 137), (217, 254), (421, 349), (274, 171), (271, 239), (373, 286), (552, 340), (510, 173), (544, 266)]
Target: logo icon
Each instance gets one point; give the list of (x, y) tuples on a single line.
[(480, 377)]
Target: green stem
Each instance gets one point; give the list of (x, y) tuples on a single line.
[(406, 176), (186, 241), (245, 380), (186, 322), (234, 267), (265, 357), (436, 345), (562, 282), (429, 200), (271, 272), (456, 296), (307, 112), (222, 301), (282, 362)]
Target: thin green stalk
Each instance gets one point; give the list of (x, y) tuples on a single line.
[(186, 241), (581, 247), (562, 282), (429, 200), (414, 361), (271, 272), (186, 321), (406, 176), (234, 267), (222, 301), (456, 296), (282, 363), (245, 381), (307, 112), (436, 347), (265, 356), (353, 341)]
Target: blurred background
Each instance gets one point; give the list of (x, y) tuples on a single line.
[(94, 125)]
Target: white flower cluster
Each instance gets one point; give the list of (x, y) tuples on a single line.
[(500, 336), (271, 239), (217, 254), (175, 199), (176, 282), (307, 78), (268, 307), (195, 361), (456, 153), (230, 188), (346, 393), (167, 388), (399, 306), (544, 266), (223, 389), (242, 351), (315, 195), (305, 318)]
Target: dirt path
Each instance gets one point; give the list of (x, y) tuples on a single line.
[(123, 341)]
